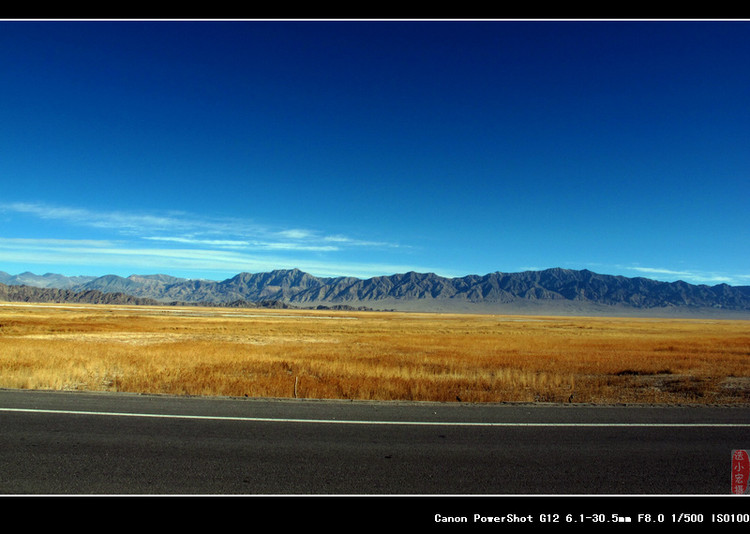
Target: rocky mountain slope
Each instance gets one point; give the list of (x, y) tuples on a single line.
[(549, 290), (23, 293)]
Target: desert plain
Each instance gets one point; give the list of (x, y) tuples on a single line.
[(371, 355)]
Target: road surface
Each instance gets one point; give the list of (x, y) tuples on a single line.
[(72, 443)]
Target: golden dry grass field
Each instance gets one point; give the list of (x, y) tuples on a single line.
[(373, 355)]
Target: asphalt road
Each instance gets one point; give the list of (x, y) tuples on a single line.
[(70, 443)]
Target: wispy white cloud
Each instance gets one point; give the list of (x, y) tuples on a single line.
[(188, 243), (240, 244), (360, 243), (691, 276), (230, 243), (187, 228), (296, 233), (116, 255), (44, 243), (114, 220)]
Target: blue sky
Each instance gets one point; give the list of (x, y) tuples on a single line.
[(204, 149)]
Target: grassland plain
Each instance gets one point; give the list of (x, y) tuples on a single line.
[(374, 355)]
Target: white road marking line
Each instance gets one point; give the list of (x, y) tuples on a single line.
[(363, 422)]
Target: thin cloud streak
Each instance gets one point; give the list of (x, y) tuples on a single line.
[(235, 244), (107, 220), (45, 243), (360, 243), (159, 260), (695, 277), (201, 244), (180, 227)]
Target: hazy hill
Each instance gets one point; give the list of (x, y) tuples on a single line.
[(548, 291), (57, 281)]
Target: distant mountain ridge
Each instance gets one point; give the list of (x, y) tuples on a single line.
[(556, 288), (23, 293), (51, 280)]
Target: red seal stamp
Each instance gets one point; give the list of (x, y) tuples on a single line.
[(740, 471)]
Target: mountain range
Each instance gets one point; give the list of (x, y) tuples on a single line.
[(553, 291)]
